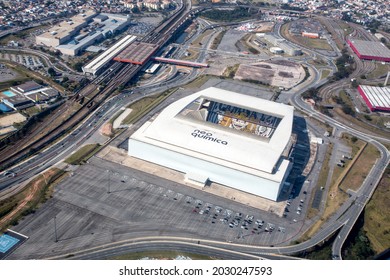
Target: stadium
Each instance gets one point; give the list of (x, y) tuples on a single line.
[(223, 137)]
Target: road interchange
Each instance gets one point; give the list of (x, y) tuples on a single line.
[(343, 219)]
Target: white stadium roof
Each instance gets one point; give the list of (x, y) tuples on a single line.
[(237, 131)]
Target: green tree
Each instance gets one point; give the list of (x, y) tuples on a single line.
[(51, 72), (78, 66)]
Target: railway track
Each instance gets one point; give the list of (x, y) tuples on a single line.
[(122, 75)]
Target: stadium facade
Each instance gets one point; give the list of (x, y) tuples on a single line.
[(220, 136)]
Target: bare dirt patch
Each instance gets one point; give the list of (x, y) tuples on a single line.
[(281, 74), (12, 119), (107, 130), (36, 192)]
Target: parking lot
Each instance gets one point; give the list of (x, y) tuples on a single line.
[(30, 61), (7, 74), (104, 202)]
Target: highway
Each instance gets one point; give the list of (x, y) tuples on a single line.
[(343, 219), (187, 245), (68, 144), (95, 93)]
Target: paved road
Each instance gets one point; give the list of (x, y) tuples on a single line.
[(344, 218)]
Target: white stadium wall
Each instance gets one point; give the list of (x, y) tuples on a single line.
[(194, 167), (219, 135)]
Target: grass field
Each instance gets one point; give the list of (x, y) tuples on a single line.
[(346, 28), (144, 105), (160, 255), (380, 70), (199, 39), (354, 121), (320, 44), (194, 54), (198, 82), (376, 215), (83, 154), (325, 73), (336, 196), (217, 40), (318, 62), (32, 75), (230, 71), (21, 77), (361, 168), (38, 191)]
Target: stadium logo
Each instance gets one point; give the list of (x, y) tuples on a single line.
[(207, 136)]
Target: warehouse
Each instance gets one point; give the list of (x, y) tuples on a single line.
[(376, 98), (370, 50), (220, 136)]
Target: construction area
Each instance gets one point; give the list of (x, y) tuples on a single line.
[(280, 73)]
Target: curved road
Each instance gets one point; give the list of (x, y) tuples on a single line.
[(344, 218)]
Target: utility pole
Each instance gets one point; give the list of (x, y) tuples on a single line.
[(109, 182), (387, 78)]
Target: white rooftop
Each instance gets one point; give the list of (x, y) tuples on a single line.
[(378, 96), (231, 129)]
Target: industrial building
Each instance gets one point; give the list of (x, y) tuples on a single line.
[(214, 135), (73, 36), (99, 63), (16, 102), (310, 35), (376, 98), (65, 30), (282, 43), (27, 95), (370, 50)]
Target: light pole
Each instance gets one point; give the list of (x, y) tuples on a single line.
[(109, 181), (55, 228)]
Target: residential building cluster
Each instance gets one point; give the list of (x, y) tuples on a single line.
[(24, 12), (359, 11), (149, 4)]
